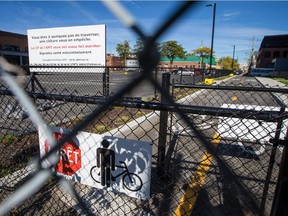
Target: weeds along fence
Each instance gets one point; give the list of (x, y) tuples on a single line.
[(194, 149)]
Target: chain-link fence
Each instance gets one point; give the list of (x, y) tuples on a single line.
[(108, 145)]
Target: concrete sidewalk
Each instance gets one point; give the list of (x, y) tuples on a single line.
[(269, 82)]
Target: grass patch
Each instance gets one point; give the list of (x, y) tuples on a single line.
[(122, 119), (139, 114), (99, 129), (282, 80), (4, 171), (8, 138)]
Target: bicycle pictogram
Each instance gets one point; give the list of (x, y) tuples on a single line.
[(105, 162), (131, 181)]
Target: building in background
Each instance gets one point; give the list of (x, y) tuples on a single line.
[(114, 61), (272, 47), (132, 63), (14, 47), (190, 62)]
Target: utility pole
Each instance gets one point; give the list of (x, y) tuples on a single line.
[(251, 55)]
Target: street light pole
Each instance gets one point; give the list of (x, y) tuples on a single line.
[(233, 58), (212, 38)]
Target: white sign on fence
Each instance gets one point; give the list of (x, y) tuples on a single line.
[(68, 46), (116, 164)]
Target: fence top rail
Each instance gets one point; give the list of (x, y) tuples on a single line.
[(270, 116), (237, 88)]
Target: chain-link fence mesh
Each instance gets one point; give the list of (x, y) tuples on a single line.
[(175, 148)]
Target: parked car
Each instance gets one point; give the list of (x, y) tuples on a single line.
[(174, 71), (185, 72), (197, 73), (238, 72)]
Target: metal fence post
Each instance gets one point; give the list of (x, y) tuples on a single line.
[(32, 82), (156, 76), (106, 82), (281, 191), (163, 128), (271, 163), (193, 79)]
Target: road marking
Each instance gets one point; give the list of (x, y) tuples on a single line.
[(242, 81), (258, 152), (191, 194)]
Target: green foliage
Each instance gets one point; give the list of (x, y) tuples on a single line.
[(100, 129), (122, 119), (139, 114), (8, 138), (4, 170), (282, 80), (226, 63), (172, 49), (123, 50), (202, 52), (138, 47)]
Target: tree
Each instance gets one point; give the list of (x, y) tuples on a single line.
[(226, 63), (203, 52), (123, 50), (138, 47), (171, 49)]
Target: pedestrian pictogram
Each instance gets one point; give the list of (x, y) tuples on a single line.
[(105, 160), (69, 156)]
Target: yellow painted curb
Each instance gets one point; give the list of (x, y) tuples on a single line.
[(191, 194), (209, 81)]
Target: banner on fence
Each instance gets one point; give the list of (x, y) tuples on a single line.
[(105, 162), (68, 46)]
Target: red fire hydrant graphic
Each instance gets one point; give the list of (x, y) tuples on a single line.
[(69, 156)]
